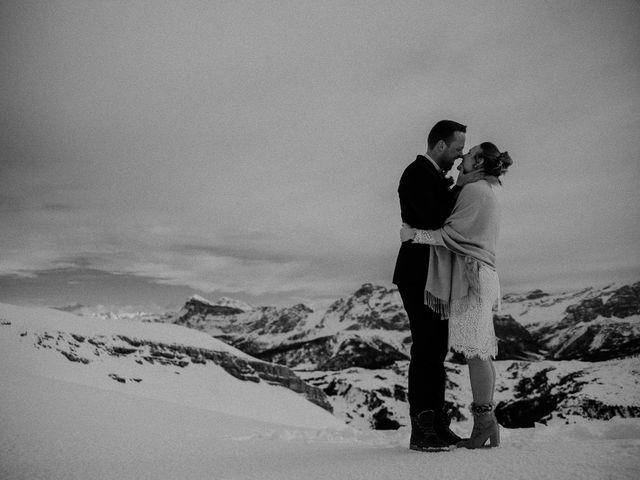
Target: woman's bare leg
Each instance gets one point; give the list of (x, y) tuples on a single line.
[(482, 375), (493, 385)]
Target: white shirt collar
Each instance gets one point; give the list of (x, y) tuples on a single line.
[(434, 163)]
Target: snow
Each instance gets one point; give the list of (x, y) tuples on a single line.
[(614, 382), (124, 312), (54, 430), (44, 319), (57, 422), (231, 302), (543, 310), (362, 392), (551, 308), (198, 298)]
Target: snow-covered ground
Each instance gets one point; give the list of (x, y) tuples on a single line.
[(61, 420)]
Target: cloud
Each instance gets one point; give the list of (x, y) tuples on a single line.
[(241, 254), (259, 149)]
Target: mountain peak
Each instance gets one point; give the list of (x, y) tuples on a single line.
[(369, 289), (222, 302), (233, 303), (199, 299)]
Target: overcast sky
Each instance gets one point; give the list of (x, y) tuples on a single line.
[(151, 149)]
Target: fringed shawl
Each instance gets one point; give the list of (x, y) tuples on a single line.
[(469, 236)]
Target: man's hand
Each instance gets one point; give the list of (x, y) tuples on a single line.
[(406, 233), (472, 176)]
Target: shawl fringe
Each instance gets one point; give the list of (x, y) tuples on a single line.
[(443, 307)]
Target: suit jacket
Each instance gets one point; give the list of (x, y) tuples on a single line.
[(425, 203)]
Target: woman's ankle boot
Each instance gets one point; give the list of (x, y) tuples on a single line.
[(485, 427)]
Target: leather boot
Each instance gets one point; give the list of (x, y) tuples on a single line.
[(423, 436), (485, 427), (441, 426)]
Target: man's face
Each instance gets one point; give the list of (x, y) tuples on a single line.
[(453, 151)]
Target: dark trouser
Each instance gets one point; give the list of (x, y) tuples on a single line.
[(430, 335)]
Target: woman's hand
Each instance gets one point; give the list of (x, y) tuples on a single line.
[(472, 176), (406, 233)]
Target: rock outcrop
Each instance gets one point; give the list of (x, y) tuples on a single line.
[(599, 327), (336, 352), (544, 391), (178, 355), (514, 341)]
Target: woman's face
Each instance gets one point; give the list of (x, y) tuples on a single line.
[(469, 161)]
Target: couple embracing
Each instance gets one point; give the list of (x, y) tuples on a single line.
[(446, 276)]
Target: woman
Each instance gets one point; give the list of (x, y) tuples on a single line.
[(462, 283)]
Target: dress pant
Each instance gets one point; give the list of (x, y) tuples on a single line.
[(429, 335)]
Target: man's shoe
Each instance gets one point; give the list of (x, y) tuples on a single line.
[(441, 426), (423, 436)]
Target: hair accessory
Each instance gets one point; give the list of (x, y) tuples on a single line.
[(504, 162)]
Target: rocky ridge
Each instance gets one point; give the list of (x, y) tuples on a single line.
[(367, 329)]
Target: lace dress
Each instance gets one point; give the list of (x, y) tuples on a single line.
[(471, 329)]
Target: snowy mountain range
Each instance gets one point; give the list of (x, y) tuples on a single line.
[(352, 357), (357, 351)]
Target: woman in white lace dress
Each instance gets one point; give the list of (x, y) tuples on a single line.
[(462, 282)]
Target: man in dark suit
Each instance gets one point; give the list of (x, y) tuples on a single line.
[(426, 200)]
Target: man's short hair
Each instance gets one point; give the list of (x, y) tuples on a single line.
[(444, 130)]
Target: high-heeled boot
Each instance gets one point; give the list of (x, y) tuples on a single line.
[(485, 427)]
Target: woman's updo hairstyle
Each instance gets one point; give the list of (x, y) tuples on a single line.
[(496, 163)]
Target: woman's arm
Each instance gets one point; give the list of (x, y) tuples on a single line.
[(428, 237), (471, 218)]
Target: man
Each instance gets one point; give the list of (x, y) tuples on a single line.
[(426, 200)]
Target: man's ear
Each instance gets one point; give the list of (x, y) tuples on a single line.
[(441, 146)]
